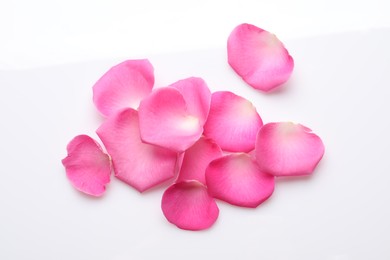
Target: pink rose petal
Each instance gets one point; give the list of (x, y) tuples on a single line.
[(123, 86), (189, 206), (288, 149), (197, 158), (197, 96), (238, 180), (165, 120), (87, 167), (259, 57), (136, 163), (233, 122)]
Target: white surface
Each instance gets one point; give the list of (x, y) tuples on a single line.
[(340, 88), (45, 32)]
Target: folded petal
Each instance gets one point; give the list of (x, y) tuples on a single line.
[(233, 122), (259, 57), (197, 96), (197, 158), (123, 86), (136, 163), (238, 180), (189, 206), (288, 149), (87, 167), (165, 120)]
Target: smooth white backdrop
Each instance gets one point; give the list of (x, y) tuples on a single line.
[(45, 32), (52, 52)]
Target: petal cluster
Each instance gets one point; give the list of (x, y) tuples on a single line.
[(208, 146)]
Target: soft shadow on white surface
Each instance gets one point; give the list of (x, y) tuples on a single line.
[(340, 89)]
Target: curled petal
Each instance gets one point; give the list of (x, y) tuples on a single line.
[(87, 167), (259, 57), (197, 158), (136, 163), (288, 149), (238, 180), (165, 121), (197, 96), (123, 86), (189, 206), (233, 122)]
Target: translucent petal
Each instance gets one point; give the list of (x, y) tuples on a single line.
[(238, 180), (197, 96), (259, 57), (123, 86), (288, 149), (87, 167), (233, 122), (197, 158), (139, 164), (166, 122), (189, 206)]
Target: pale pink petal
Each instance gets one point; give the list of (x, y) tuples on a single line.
[(136, 163), (288, 149), (87, 167), (238, 180), (165, 120), (197, 96), (123, 86), (189, 206), (259, 57), (197, 158), (233, 122)]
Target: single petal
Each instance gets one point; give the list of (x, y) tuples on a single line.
[(197, 158), (136, 163), (189, 206), (233, 122), (259, 57), (165, 120), (197, 96), (87, 167), (123, 86), (238, 180), (288, 149)]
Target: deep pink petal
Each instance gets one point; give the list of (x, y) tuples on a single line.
[(136, 163), (165, 120), (259, 57), (197, 96), (123, 86), (87, 167), (197, 158), (238, 180), (189, 206), (233, 122), (288, 149)]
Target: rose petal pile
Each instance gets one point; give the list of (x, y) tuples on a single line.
[(210, 145)]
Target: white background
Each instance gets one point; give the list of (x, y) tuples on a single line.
[(51, 53), (43, 32)]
